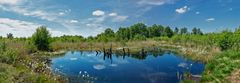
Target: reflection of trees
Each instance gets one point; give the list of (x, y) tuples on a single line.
[(140, 55), (108, 56)]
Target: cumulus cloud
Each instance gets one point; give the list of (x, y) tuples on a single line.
[(61, 13), (155, 2), (21, 28), (182, 10), (98, 13), (210, 19), (113, 14), (73, 21)]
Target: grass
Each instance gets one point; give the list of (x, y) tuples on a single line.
[(218, 69), (18, 65)]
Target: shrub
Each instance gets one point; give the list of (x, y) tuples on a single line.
[(9, 56), (2, 47), (10, 36), (139, 37), (41, 38), (31, 48)]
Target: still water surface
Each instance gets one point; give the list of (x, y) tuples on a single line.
[(164, 67)]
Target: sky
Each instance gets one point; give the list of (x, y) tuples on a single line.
[(91, 17)]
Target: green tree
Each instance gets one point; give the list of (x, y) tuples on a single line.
[(183, 31), (176, 30), (237, 30), (123, 34), (139, 37), (194, 31), (41, 38), (168, 32), (225, 42), (109, 32), (10, 36), (199, 32), (156, 31), (139, 28)]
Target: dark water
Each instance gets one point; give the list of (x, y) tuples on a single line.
[(86, 66)]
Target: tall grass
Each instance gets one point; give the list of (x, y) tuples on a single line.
[(218, 69)]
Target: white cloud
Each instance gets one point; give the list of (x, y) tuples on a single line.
[(61, 13), (119, 18), (113, 14), (73, 21), (96, 19), (98, 13), (21, 28), (49, 16), (210, 19), (197, 12), (155, 2), (182, 10), (10, 2)]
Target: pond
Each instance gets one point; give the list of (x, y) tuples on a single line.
[(89, 66)]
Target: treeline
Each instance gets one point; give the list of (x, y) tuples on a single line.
[(140, 31), (137, 31)]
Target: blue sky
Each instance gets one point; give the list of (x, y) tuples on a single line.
[(90, 17)]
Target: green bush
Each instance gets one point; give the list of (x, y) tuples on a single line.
[(31, 48), (41, 38), (2, 47), (221, 66), (139, 37), (9, 56)]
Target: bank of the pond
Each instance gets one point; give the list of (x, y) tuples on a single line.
[(197, 52), (32, 68)]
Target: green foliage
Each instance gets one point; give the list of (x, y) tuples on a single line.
[(31, 48), (6, 71), (197, 31), (176, 31), (168, 32), (225, 41), (10, 36), (136, 31), (67, 38), (9, 56), (41, 38), (183, 30), (2, 47), (123, 34), (139, 37), (156, 31), (221, 66), (139, 28)]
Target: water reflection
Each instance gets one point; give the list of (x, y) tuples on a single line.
[(141, 67)]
